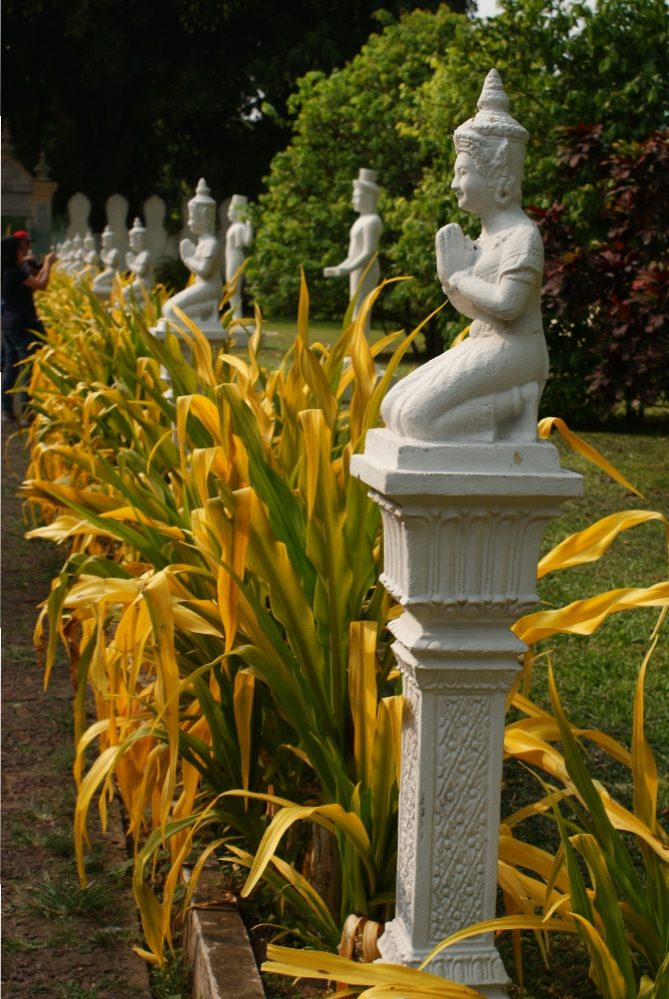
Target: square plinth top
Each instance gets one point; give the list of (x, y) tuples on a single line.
[(399, 466)]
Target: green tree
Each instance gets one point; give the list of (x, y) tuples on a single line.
[(394, 108), (360, 116), (608, 298), (562, 64)]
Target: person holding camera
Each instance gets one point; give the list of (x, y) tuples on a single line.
[(20, 321)]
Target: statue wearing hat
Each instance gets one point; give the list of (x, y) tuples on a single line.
[(238, 239), (200, 299), (139, 263), (363, 270), (488, 387)]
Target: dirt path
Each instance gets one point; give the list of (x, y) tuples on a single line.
[(59, 941)]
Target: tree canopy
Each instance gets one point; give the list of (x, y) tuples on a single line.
[(143, 97), (394, 108)]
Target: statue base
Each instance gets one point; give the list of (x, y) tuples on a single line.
[(239, 332), (462, 526), (210, 328), (473, 962)]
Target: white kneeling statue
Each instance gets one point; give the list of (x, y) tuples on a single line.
[(139, 263), (109, 255), (488, 387), (465, 491), (199, 300), (238, 239), (363, 242)]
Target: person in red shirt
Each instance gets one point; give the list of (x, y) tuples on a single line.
[(20, 321)]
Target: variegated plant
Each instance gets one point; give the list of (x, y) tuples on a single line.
[(221, 598)]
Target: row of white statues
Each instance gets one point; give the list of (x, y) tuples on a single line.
[(79, 256), (491, 383), (495, 280), (199, 300)]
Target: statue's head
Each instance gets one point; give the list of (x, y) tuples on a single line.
[(201, 209), (107, 238), (237, 209), (136, 236), (365, 191), (494, 142), (89, 242)]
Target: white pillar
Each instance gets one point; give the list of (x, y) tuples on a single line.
[(462, 525)]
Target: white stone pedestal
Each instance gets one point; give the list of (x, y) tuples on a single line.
[(210, 328), (462, 524)]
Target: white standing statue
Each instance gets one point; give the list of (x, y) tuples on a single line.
[(238, 239), (363, 242), (199, 300), (139, 263), (109, 255), (487, 387)]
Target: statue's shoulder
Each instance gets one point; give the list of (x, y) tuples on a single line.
[(207, 244), (523, 248), (235, 235)]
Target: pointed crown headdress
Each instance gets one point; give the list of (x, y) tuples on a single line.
[(202, 194), (493, 120)]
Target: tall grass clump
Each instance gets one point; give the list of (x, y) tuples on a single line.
[(220, 598)]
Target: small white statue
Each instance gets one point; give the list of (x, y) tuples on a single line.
[(76, 263), (109, 255), (238, 239), (63, 250), (138, 262), (488, 387), (363, 242), (89, 267), (199, 300)]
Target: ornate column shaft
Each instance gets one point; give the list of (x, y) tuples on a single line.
[(462, 526)]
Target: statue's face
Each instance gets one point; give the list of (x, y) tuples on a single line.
[(362, 200), (136, 240), (198, 218), (475, 193)]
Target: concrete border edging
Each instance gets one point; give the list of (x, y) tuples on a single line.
[(218, 950)]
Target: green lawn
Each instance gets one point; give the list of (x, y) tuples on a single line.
[(596, 675)]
